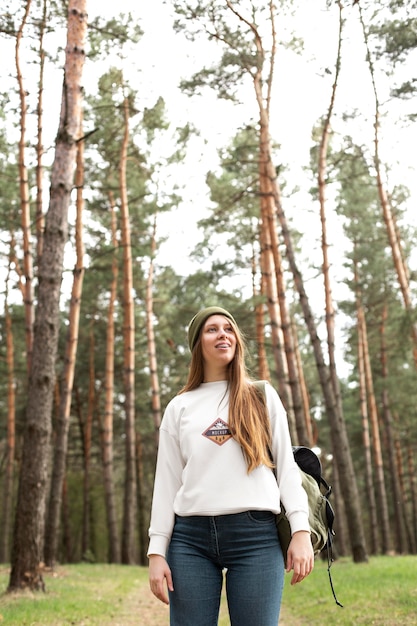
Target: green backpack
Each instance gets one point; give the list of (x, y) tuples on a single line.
[(321, 514), (320, 511)]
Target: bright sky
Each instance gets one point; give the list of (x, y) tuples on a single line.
[(302, 92)]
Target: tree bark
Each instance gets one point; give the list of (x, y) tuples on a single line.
[(25, 201), (383, 517), (106, 425), (399, 512), (64, 412), (310, 427), (322, 176), (130, 492), (366, 437), (268, 271), (27, 551), (410, 460), (87, 429), (263, 368), (39, 217), (7, 496), (150, 334), (403, 465), (142, 518)]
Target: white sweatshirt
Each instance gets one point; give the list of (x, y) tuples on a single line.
[(201, 469)]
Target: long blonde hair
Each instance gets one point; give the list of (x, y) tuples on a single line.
[(248, 417)]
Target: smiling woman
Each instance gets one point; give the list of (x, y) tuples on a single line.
[(215, 496)]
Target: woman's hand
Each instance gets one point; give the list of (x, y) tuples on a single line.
[(159, 572), (300, 556)]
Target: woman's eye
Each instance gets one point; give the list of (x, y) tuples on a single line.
[(226, 329)]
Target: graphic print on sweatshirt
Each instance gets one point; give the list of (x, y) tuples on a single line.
[(218, 432)]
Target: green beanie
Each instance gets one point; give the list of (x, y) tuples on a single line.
[(199, 319)]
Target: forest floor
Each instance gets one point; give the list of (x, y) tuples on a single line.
[(153, 613), (382, 592)]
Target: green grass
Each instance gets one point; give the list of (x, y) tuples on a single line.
[(382, 592), (78, 594)]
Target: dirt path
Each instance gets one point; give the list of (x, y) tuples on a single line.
[(141, 608)]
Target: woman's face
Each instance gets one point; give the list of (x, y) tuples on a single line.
[(218, 341)]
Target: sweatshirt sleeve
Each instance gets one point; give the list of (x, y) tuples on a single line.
[(292, 493), (168, 474)]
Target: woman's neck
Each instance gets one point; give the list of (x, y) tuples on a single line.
[(214, 375)]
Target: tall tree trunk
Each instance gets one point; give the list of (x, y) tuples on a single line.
[(67, 544), (402, 464), (155, 399), (64, 411), (394, 240), (7, 495), (410, 459), (342, 540), (366, 437), (25, 201), (39, 217), (268, 275), (142, 518), (150, 335), (310, 427), (399, 511), (87, 428), (130, 495), (296, 404), (27, 552), (263, 368), (106, 425), (383, 517), (294, 380), (322, 176)]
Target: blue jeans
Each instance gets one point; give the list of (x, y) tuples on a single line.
[(246, 545)]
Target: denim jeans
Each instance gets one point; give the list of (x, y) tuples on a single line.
[(246, 546)]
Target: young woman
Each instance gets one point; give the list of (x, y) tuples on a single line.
[(216, 494)]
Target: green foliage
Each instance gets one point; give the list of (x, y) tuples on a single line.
[(104, 35), (242, 51), (395, 34), (233, 223)]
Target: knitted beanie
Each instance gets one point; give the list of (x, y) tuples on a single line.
[(199, 319)]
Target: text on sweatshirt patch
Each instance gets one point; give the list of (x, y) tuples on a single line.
[(218, 432)]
